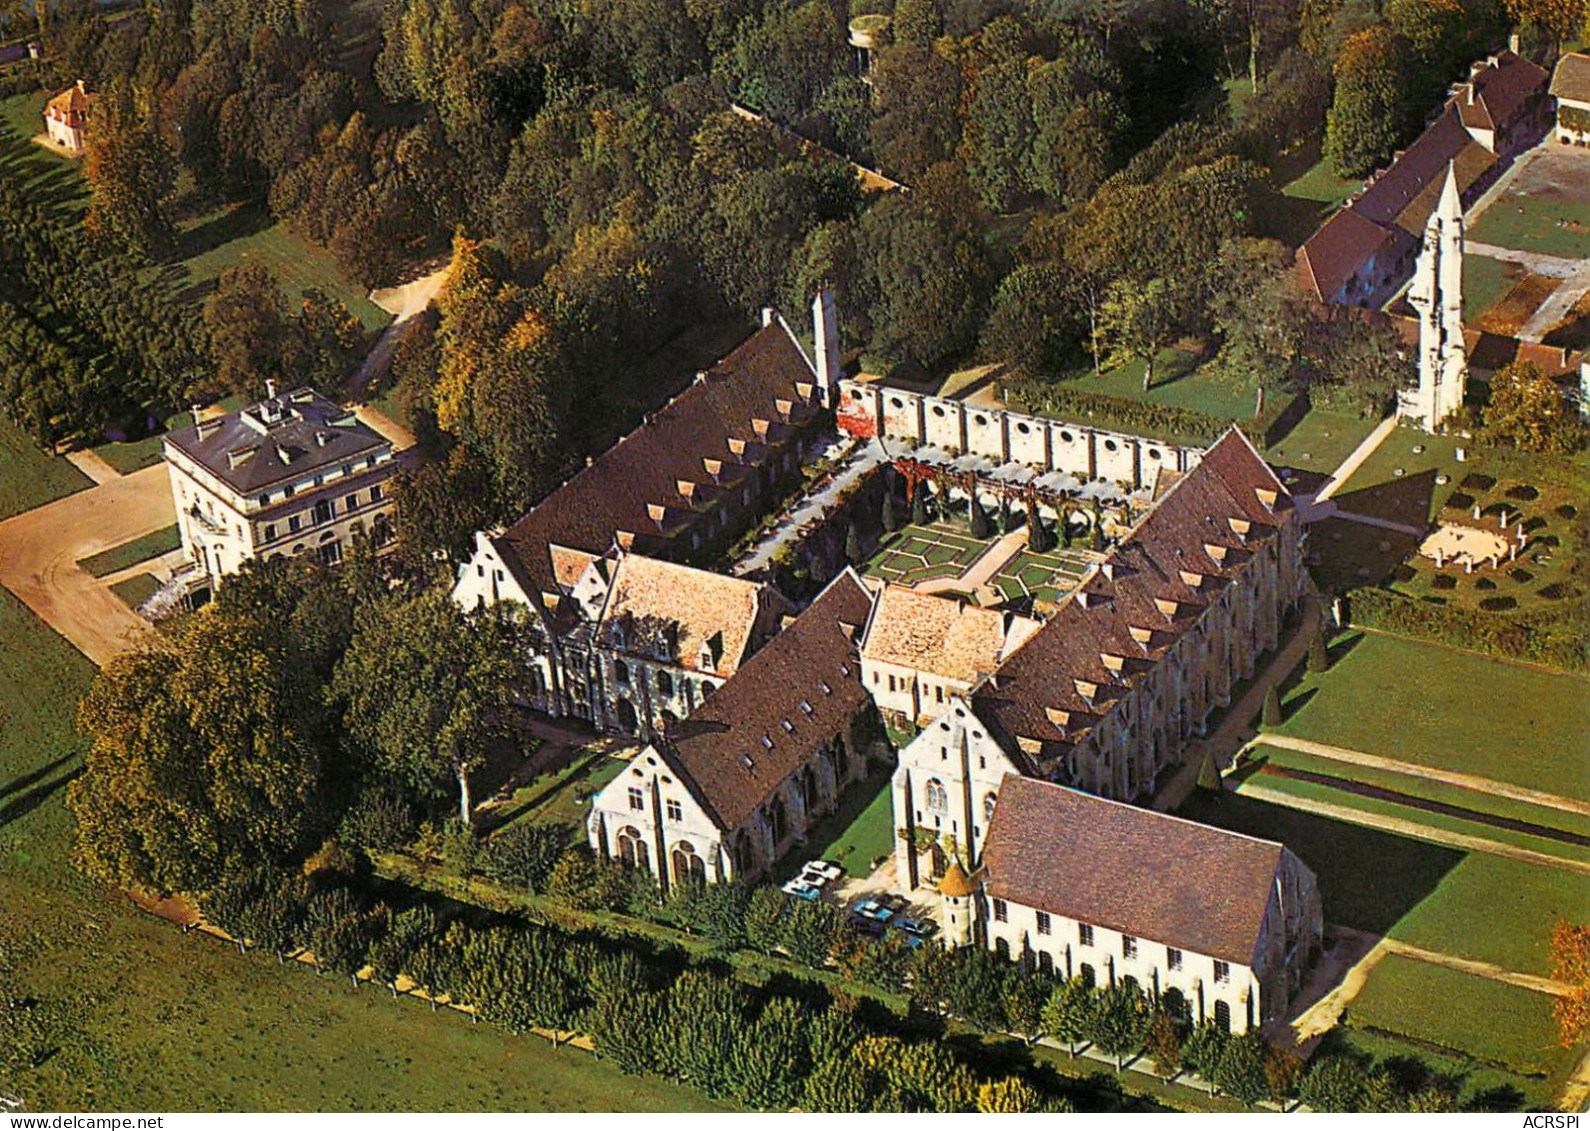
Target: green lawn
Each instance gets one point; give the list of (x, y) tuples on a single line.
[(139, 454), (1320, 441), (53, 180), (1321, 184), (28, 477), (160, 1021), (1368, 879), (136, 589), (1486, 282), (562, 795), (859, 833), (1430, 824), (1043, 577), (1455, 710), (1178, 382), (1485, 1019), (229, 238), (1530, 222), (914, 554), (1424, 789), (1497, 910), (131, 553)]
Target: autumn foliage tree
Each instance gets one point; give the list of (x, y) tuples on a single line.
[(130, 175), (1373, 110), (1570, 965), (1528, 410)]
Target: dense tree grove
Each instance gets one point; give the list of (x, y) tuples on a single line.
[(600, 196)]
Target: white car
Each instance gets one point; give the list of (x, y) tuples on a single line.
[(821, 872)]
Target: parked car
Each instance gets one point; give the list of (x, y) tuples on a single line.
[(872, 915), (916, 931), (801, 888), (827, 872)]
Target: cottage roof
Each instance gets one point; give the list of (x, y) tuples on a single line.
[(801, 689), (72, 104), (939, 635), (1571, 80), (704, 443), (678, 613), (1136, 871), (1136, 603), (1498, 89), (278, 440)]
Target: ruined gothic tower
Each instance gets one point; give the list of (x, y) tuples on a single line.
[(1437, 296)]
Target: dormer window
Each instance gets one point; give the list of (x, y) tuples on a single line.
[(767, 743), (806, 706), (1113, 662), (1216, 553)]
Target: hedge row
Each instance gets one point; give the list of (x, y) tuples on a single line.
[(1463, 628), (1146, 419), (652, 1011)]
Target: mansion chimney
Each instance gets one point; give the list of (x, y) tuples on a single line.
[(825, 331)]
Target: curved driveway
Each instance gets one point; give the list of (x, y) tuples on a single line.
[(39, 551)]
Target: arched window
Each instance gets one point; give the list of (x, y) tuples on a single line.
[(1223, 1016), (621, 673), (988, 806), (937, 797), (778, 818), (632, 848), (1002, 948), (687, 865), (665, 683)]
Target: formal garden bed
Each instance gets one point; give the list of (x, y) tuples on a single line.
[(129, 554)]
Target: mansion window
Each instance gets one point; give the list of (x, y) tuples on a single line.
[(375, 493), (323, 511), (351, 502), (621, 672), (665, 683), (1045, 924), (1085, 934), (1222, 971), (264, 500), (937, 797), (1001, 911), (988, 807), (294, 523), (270, 532), (1172, 958), (637, 799), (1087, 974), (1128, 946), (676, 811)]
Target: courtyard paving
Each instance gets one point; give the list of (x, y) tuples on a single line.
[(40, 549)]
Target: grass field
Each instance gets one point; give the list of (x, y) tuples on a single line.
[(1427, 823), (136, 589), (1449, 709), (1320, 441), (1485, 282), (28, 477), (1178, 382), (231, 237), (858, 833), (1321, 184), (131, 553), (1421, 789), (1538, 215), (156, 1020), (1485, 1019), (1521, 904)]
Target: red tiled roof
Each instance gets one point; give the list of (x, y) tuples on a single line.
[(1332, 255), (1500, 91), (620, 489), (1159, 580), (734, 750), (1142, 873)]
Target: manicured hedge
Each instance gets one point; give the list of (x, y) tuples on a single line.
[(1157, 420), (1462, 628)]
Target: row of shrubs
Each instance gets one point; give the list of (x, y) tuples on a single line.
[(776, 1046), (791, 1042), (1463, 628), (1145, 418)]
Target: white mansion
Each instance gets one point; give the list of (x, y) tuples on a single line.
[(294, 474)]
